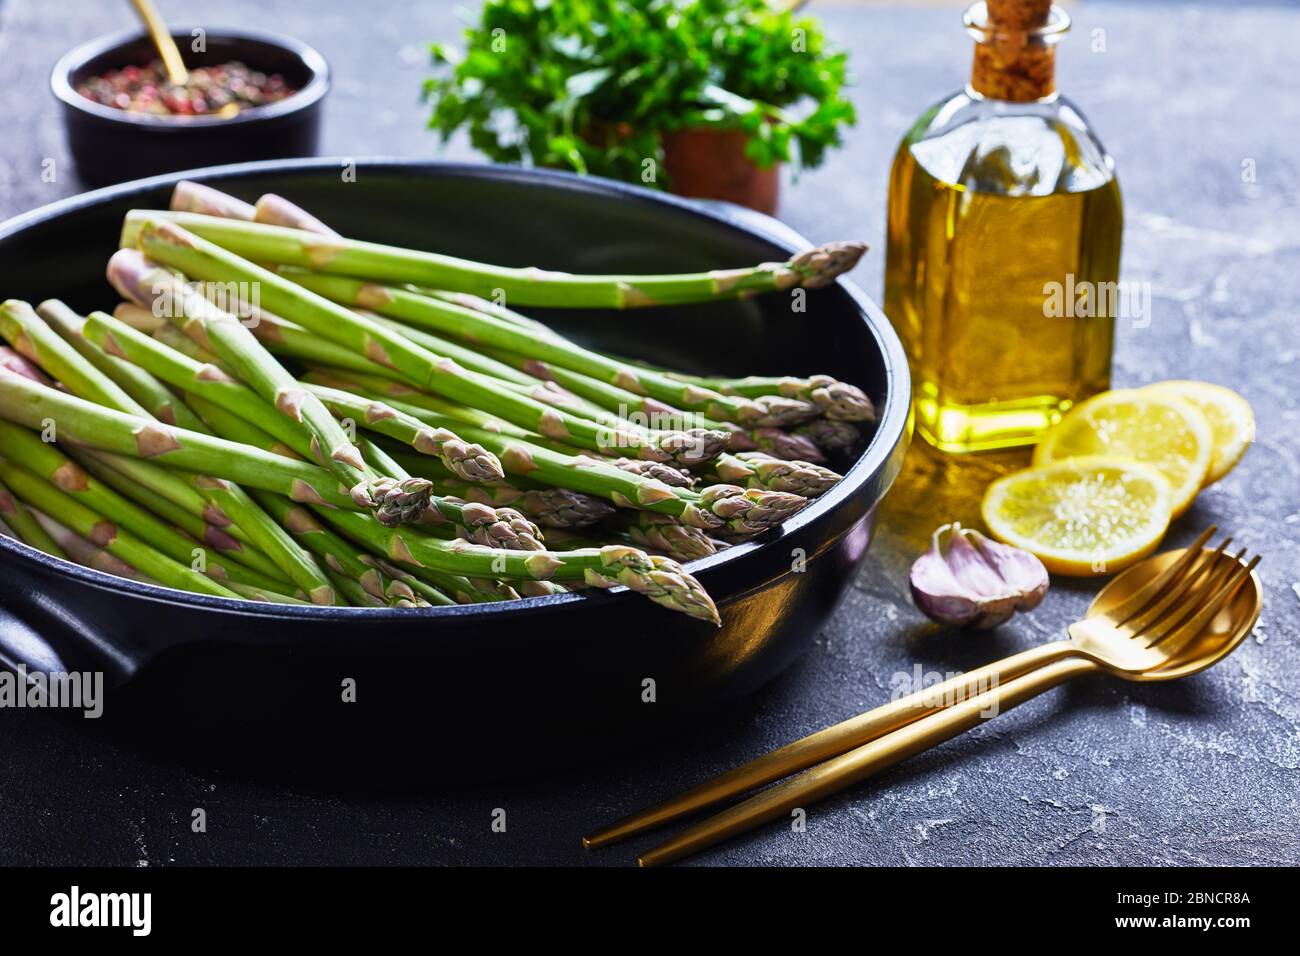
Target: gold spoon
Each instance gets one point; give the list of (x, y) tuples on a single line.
[(162, 39), (1192, 622), (1125, 603)]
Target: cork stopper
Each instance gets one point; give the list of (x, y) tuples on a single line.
[(1015, 50), (1018, 14)]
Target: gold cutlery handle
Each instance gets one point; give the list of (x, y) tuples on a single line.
[(162, 39), (843, 771), (831, 742)]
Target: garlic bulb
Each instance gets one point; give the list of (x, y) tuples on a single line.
[(978, 583)]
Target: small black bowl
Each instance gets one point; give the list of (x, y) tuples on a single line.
[(111, 145)]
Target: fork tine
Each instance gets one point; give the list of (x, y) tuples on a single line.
[(1173, 634), (1140, 598), (1173, 596), (1205, 589), (1174, 642)]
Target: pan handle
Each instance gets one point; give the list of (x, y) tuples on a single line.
[(50, 641)]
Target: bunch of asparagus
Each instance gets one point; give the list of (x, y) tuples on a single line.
[(278, 413)]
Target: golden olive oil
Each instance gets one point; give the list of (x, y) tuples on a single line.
[(978, 284)]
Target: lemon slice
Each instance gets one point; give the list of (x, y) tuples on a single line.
[(1150, 427), (1232, 422), (1081, 516)]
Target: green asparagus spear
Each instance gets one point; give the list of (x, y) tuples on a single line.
[(265, 573), (106, 534), (93, 386), (220, 331), (738, 511), (660, 579), (336, 554), (28, 530), (367, 260), (25, 449), (759, 470), (479, 327), (35, 340), (148, 392), (172, 246)]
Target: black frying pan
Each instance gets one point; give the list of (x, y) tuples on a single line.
[(487, 688)]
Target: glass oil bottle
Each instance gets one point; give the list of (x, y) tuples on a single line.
[(1004, 242)]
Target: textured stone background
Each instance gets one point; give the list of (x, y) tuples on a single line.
[(1202, 771)]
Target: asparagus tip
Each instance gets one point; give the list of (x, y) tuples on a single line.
[(693, 446), (749, 511), (821, 266), (662, 580), (840, 401), (399, 501)]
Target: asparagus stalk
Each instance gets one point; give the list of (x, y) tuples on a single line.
[(338, 557), (430, 594), (270, 209), (468, 461), (836, 400), (178, 341), (275, 210), (251, 593), (499, 527), (613, 399), (662, 580), (673, 477), (352, 593), (87, 553), (286, 338), (759, 470), (462, 589), (139, 317), (35, 340), (25, 449), (27, 403), (480, 304), (775, 441), (788, 446), (134, 277), (472, 358), (13, 362), (163, 485), (92, 386), (549, 507), (190, 196), (298, 345), (25, 527), (479, 327), (208, 382), (665, 535), (738, 511), (166, 243), (405, 396), (602, 399), (147, 391), (811, 269), (106, 534), (265, 574)]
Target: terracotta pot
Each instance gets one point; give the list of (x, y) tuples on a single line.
[(711, 164)]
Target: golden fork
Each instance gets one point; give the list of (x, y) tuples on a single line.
[(1157, 601)]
